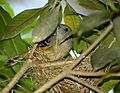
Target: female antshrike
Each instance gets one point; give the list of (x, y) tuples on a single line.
[(56, 48)]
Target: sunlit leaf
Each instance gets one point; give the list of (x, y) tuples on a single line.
[(21, 21), (91, 4), (27, 83), (71, 18), (106, 56), (7, 7), (46, 25), (25, 86), (107, 86), (73, 21)]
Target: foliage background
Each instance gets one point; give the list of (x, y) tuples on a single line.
[(9, 46)]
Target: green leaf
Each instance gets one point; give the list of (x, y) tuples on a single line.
[(13, 47), (71, 18), (107, 86), (110, 3), (116, 29), (21, 21), (25, 86), (81, 46), (89, 23), (10, 47), (46, 25), (4, 19), (16, 67), (3, 60), (115, 68), (26, 35), (7, 7), (7, 72), (27, 83), (108, 41), (106, 56), (60, 14), (117, 88), (91, 4)]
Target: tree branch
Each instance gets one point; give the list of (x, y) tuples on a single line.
[(56, 63), (88, 74)]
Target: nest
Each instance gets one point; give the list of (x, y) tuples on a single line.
[(44, 70)]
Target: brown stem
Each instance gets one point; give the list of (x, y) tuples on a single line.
[(88, 74)]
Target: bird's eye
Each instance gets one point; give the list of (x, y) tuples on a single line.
[(66, 29)]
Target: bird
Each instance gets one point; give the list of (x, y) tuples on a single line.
[(56, 48)]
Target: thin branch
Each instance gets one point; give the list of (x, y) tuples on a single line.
[(77, 61), (95, 89), (33, 50), (88, 74), (55, 2), (56, 63), (115, 75), (22, 71)]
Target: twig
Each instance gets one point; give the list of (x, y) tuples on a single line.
[(88, 74), (85, 84), (55, 2), (80, 59), (22, 71), (115, 75), (56, 63), (33, 50)]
